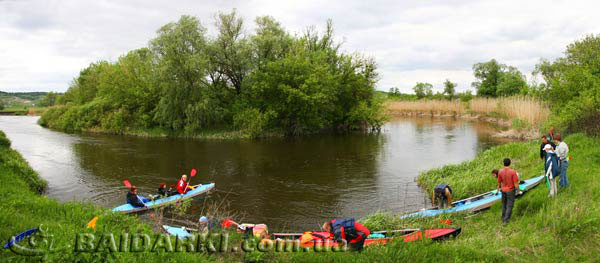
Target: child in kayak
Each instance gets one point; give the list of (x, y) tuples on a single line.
[(133, 199), (162, 190)]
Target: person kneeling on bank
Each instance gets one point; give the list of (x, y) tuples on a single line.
[(442, 195), (350, 231)]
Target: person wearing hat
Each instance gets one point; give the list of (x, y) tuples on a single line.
[(203, 226), (133, 199), (552, 168)]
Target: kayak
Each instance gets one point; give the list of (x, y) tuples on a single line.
[(180, 232), (323, 239), (198, 189), (475, 203)]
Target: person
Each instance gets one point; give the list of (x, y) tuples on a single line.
[(162, 190), (552, 169), (442, 194), (562, 152), (133, 199), (172, 190), (495, 173), (551, 135), (350, 231), (182, 185), (544, 142), (508, 183)]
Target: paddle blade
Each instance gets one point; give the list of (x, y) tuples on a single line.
[(193, 172), (127, 184), (227, 223)]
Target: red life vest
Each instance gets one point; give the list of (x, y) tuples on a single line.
[(181, 186)]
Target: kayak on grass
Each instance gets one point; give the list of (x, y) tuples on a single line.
[(180, 232), (475, 203), (198, 189), (324, 239)]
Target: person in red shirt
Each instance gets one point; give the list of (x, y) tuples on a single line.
[(182, 185), (356, 243), (508, 183)]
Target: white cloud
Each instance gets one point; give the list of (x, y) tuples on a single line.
[(44, 44)]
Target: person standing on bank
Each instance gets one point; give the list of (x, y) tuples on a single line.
[(552, 169), (508, 183), (562, 151), (545, 141)]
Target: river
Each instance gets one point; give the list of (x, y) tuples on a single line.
[(289, 184)]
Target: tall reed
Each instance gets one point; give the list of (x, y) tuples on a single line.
[(524, 108), (436, 106)]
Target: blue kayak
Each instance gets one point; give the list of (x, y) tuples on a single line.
[(198, 189), (179, 232), (474, 203)]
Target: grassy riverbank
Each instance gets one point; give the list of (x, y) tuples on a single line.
[(24, 208), (564, 229)]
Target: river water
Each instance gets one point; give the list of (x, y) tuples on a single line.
[(289, 184)]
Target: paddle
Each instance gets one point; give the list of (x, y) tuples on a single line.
[(192, 174), (127, 184)]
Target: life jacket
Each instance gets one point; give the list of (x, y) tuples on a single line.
[(343, 230)]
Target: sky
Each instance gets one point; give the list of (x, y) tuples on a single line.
[(44, 44)]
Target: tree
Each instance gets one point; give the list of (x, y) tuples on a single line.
[(230, 52), (49, 99), (182, 66), (511, 82), (449, 89), (271, 42), (495, 79), (573, 86), (423, 90), (488, 74)]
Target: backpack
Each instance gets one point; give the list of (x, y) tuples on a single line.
[(344, 230)]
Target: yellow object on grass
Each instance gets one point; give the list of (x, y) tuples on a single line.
[(306, 237), (92, 223)]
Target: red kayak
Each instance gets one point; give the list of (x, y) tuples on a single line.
[(324, 239)]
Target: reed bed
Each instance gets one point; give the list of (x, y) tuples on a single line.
[(527, 109), (436, 106)]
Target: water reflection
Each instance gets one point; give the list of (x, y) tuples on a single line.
[(286, 183)]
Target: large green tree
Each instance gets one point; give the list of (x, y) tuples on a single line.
[(495, 79), (449, 89), (180, 48), (423, 90), (573, 86)]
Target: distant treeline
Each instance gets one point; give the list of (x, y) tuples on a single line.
[(186, 81), (21, 99)]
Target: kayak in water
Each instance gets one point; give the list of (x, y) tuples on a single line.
[(198, 189)]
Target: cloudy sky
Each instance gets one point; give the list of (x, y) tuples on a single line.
[(44, 44)]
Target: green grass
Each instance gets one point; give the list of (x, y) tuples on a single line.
[(24, 208), (564, 229)]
